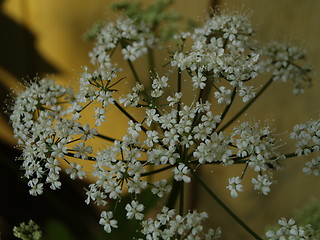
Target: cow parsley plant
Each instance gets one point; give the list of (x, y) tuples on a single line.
[(216, 63)]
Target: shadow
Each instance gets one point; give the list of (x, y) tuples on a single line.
[(17, 205), (19, 55), (21, 59)]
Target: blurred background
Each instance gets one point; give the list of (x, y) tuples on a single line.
[(45, 38)]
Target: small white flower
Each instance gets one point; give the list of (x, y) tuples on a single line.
[(263, 183), (59, 149), (180, 173), (88, 133), (223, 96), (152, 137), (235, 186), (54, 180), (213, 234), (136, 185), (157, 85), (36, 187), (99, 116), (247, 92), (75, 171), (81, 151), (312, 167), (175, 99), (161, 187), (151, 116), (134, 210), (107, 221), (199, 81)]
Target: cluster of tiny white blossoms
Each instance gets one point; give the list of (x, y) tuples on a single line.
[(220, 52), (289, 230), (135, 39), (307, 136), (259, 145), (174, 134), (283, 62), (169, 225)]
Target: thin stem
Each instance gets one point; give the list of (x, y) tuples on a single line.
[(179, 105), (247, 106), (244, 170), (72, 155), (157, 171), (291, 155), (203, 97), (113, 139), (107, 138), (227, 108), (228, 210), (173, 194), (128, 115), (133, 70), (179, 90), (116, 82), (181, 200), (136, 77), (151, 62)]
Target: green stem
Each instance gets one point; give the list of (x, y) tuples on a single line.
[(291, 155), (69, 154), (179, 90), (113, 139), (128, 115), (215, 197), (133, 70), (107, 138), (181, 200), (245, 169), (203, 97), (134, 120), (173, 194), (227, 108), (179, 83), (136, 77), (156, 171), (151, 63), (247, 106), (115, 83)]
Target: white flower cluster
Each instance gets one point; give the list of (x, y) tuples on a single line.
[(42, 132), (218, 52), (289, 230), (135, 38), (168, 225), (258, 143), (307, 138), (97, 85), (258, 146), (112, 172), (49, 131), (172, 135), (281, 60)]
